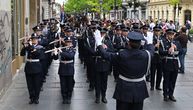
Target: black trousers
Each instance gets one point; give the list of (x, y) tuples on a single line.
[(90, 71), (156, 69), (115, 71), (101, 84), (67, 85), (169, 82), (33, 84), (120, 105)]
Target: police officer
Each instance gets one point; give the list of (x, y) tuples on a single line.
[(156, 64), (131, 88), (169, 50), (102, 68), (33, 68), (66, 69)]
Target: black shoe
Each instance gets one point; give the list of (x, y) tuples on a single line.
[(68, 101), (151, 88), (64, 101), (91, 89), (104, 100), (36, 102), (97, 100), (158, 88), (31, 101), (172, 98), (166, 98), (41, 89), (44, 80)]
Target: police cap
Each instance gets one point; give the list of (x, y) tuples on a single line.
[(34, 36), (144, 27), (157, 28), (118, 27), (37, 28), (135, 36), (103, 30), (171, 31)]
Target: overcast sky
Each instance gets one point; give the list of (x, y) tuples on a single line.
[(60, 1)]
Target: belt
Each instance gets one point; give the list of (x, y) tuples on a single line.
[(32, 60), (171, 58), (157, 52), (97, 56), (66, 62), (132, 80)]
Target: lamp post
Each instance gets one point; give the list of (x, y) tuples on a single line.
[(179, 11), (115, 9), (135, 4), (101, 2)]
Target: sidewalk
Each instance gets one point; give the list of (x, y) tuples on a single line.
[(16, 98)]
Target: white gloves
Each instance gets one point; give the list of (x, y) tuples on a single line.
[(98, 38), (55, 51)]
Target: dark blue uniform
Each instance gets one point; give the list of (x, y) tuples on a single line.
[(43, 41), (33, 70), (66, 73), (129, 94), (90, 50), (102, 68), (156, 65), (170, 67)]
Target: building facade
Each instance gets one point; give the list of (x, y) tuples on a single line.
[(162, 9), (17, 17), (131, 9), (5, 45)]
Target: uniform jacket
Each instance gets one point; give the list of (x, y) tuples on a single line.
[(132, 64), (66, 55), (169, 64), (32, 67)]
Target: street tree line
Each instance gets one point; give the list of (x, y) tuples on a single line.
[(79, 6)]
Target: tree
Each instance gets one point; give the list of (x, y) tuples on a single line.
[(174, 2), (78, 6)]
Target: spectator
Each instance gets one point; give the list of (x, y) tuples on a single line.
[(183, 39)]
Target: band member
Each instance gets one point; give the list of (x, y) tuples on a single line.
[(169, 50), (102, 68), (33, 68), (66, 69), (133, 64), (156, 64)]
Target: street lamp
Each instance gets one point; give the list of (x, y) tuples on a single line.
[(179, 11), (101, 2), (135, 4)]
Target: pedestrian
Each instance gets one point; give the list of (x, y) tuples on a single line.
[(183, 39), (131, 87)]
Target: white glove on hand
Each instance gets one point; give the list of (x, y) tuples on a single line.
[(30, 42), (55, 51), (98, 38)]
